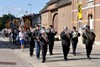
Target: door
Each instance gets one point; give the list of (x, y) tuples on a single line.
[(55, 21)]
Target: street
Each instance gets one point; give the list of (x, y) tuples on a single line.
[(11, 56), (31, 32)]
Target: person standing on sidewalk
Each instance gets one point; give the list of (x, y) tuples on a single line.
[(44, 41), (65, 37), (31, 41), (89, 38), (22, 38), (51, 37), (75, 35), (37, 41)]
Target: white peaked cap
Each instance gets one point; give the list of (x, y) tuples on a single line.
[(42, 31)]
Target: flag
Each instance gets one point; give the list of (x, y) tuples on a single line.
[(79, 6)]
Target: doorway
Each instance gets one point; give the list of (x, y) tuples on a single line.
[(55, 21)]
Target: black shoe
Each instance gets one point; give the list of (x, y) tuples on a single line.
[(74, 54), (51, 53), (31, 55), (88, 57), (43, 61), (65, 59)]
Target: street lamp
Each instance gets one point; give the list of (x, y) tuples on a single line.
[(30, 8), (26, 12)]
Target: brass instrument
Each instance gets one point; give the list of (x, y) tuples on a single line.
[(67, 34), (44, 35)]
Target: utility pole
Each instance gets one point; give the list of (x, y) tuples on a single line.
[(30, 8), (26, 12)]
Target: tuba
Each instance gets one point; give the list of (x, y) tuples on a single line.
[(67, 34), (44, 35), (89, 35)]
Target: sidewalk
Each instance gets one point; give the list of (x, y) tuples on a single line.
[(56, 60), (9, 59)]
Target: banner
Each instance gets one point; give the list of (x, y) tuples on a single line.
[(79, 6)]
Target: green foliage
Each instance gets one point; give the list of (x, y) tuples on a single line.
[(6, 18), (1, 24)]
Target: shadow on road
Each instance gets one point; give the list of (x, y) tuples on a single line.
[(70, 59), (7, 44), (8, 63)]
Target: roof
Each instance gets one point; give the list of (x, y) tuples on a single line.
[(31, 16), (35, 16), (52, 1), (44, 9), (59, 3), (49, 3), (62, 3)]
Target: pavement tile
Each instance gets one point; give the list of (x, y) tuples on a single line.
[(56, 60), (10, 59)]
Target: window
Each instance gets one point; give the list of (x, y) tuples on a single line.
[(90, 2), (45, 15), (42, 16), (79, 1)]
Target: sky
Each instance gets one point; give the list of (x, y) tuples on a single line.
[(19, 7)]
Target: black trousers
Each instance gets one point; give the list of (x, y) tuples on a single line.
[(74, 45), (31, 51), (31, 48), (51, 45), (89, 46), (66, 49), (44, 52), (88, 49)]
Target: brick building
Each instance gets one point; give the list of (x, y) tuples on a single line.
[(57, 13), (62, 13)]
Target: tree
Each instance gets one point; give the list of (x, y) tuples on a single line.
[(1, 26), (6, 18), (0, 23)]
